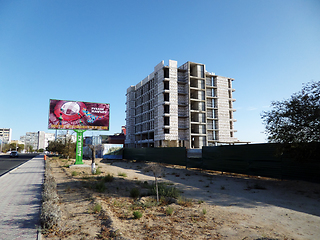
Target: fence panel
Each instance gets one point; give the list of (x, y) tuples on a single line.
[(176, 156), (250, 159)]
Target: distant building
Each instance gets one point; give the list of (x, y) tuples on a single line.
[(5, 135), (37, 140), (93, 140), (182, 106)]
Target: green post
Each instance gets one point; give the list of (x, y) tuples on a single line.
[(79, 147)]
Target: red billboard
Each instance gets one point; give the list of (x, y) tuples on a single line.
[(78, 115)]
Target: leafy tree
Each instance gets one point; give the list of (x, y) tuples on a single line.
[(20, 147), (295, 122), (55, 146), (5, 147), (30, 148), (65, 147)]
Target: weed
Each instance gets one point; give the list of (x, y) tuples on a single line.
[(137, 214), (118, 204), (108, 178), (100, 187), (97, 208), (164, 190), (150, 203), (200, 201), (97, 172), (169, 211), (121, 174), (204, 211), (74, 173), (184, 202), (135, 193)]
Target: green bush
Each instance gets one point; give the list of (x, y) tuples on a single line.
[(137, 214), (74, 173)]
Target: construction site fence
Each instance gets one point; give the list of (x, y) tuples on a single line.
[(250, 159)]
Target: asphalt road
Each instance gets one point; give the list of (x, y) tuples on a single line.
[(7, 163)]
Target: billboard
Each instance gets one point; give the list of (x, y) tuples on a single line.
[(78, 115)]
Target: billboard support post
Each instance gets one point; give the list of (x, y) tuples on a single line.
[(79, 147)]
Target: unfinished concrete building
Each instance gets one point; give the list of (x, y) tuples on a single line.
[(182, 106)]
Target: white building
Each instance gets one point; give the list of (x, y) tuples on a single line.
[(5, 135), (38, 140), (182, 106)]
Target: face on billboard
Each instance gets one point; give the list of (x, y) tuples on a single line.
[(78, 115)]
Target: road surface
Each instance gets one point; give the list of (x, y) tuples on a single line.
[(7, 163)]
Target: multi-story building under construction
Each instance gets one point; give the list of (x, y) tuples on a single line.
[(182, 106)]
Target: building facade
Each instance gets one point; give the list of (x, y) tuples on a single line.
[(182, 106), (5, 135), (37, 140)]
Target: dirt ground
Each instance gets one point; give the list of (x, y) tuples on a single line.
[(212, 206)]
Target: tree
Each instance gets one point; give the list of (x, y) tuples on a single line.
[(20, 147), (29, 148), (93, 157), (66, 148), (156, 170), (295, 121)]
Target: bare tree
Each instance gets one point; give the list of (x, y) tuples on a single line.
[(93, 158), (156, 169)]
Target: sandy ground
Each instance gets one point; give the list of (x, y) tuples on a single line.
[(217, 206)]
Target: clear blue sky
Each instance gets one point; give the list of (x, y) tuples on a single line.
[(94, 50)]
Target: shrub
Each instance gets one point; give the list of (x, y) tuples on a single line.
[(135, 193), (74, 173), (169, 211), (97, 172), (97, 208), (164, 190), (137, 214), (108, 178), (50, 214), (100, 187), (184, 202)]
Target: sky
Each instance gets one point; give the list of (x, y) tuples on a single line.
[(94, 50)]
